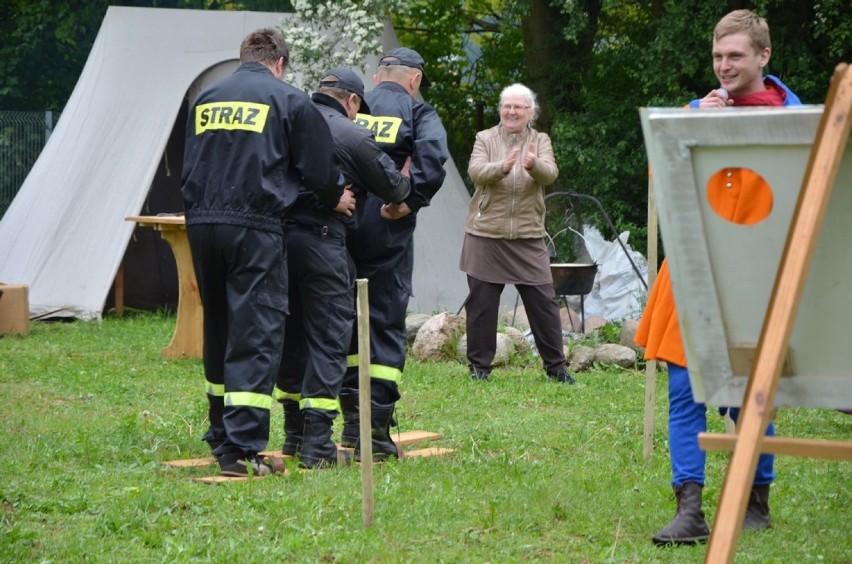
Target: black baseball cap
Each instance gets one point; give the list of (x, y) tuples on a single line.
[(346, 79), (407, 58)]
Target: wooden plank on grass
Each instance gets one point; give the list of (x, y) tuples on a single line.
[(224, 479), (427, 452), (402, 439)]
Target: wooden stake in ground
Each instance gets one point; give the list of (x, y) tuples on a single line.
[(364, 396), (650, 365)]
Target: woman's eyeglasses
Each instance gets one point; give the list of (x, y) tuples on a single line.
[(515, 107)]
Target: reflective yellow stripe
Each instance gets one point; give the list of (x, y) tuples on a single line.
[(281, 395), (377, 371), (380, 372), (248, 399), (320, 403), (214, 389)]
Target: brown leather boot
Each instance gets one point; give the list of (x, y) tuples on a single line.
[(688, 525)]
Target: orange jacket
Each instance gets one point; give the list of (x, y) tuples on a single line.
[(736, 194)]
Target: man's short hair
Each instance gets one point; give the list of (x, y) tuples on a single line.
[(395, 72), (266, 46), (744, 21)]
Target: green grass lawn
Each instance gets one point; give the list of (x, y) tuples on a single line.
[(541, 471)]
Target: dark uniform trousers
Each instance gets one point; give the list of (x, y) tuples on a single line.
[(482, 309), (322, 313), (388, 268), (242, 279)]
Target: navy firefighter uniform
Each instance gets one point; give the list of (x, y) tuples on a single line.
[(383, 250), (252, 143), (322, 277)]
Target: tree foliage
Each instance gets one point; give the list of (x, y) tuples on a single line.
[(472, 48), (593, 63), (326, 34), (46, 43), (658, 54)]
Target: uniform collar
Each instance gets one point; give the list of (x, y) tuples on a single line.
[(326, 100), (391, 85), (253, 66)]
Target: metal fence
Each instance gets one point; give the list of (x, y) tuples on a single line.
[(22, 137)]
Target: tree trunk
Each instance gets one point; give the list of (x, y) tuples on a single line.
[(556, 66)]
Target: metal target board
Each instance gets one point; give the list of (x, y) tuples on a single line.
[(723, 273)]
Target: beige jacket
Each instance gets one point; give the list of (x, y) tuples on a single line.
[(509, 206)]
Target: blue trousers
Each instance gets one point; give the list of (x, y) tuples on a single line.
[(688, 418)]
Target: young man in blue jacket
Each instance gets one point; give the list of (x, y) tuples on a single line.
[(741, 51)]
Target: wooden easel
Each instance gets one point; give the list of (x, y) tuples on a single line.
[(758, 402)]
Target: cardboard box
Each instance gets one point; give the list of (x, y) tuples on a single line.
[(14, 309)]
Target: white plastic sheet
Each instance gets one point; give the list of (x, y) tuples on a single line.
[(618, 292)]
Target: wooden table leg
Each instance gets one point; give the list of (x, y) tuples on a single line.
[(119, 290), (188, 338)]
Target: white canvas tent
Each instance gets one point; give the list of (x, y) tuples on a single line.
[(65, 235)]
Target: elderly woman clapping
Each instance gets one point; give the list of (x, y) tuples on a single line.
[(511, 164)]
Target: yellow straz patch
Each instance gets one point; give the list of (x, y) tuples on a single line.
[(384, 128), (247, 116)]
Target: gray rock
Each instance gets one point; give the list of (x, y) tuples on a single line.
[(516, 318), (570, 320), (436, 339), (413, 323), (581, 358), (593, 323), (628, 333), (505, 349), (521, 345), (461, 349), (619, 355)]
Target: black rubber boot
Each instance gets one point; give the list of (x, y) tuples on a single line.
[(215, 434), (294, 425), (688, 525), (351, 421), (318, 450), (757, 511), (380, 422), (212, 443)]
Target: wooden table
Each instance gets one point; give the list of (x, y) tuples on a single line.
[(188, 338)]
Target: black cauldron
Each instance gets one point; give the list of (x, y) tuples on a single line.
[(573, 279)]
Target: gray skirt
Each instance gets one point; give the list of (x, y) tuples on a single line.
[(506, 261)]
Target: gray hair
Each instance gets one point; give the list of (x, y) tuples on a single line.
[(519, 89)]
